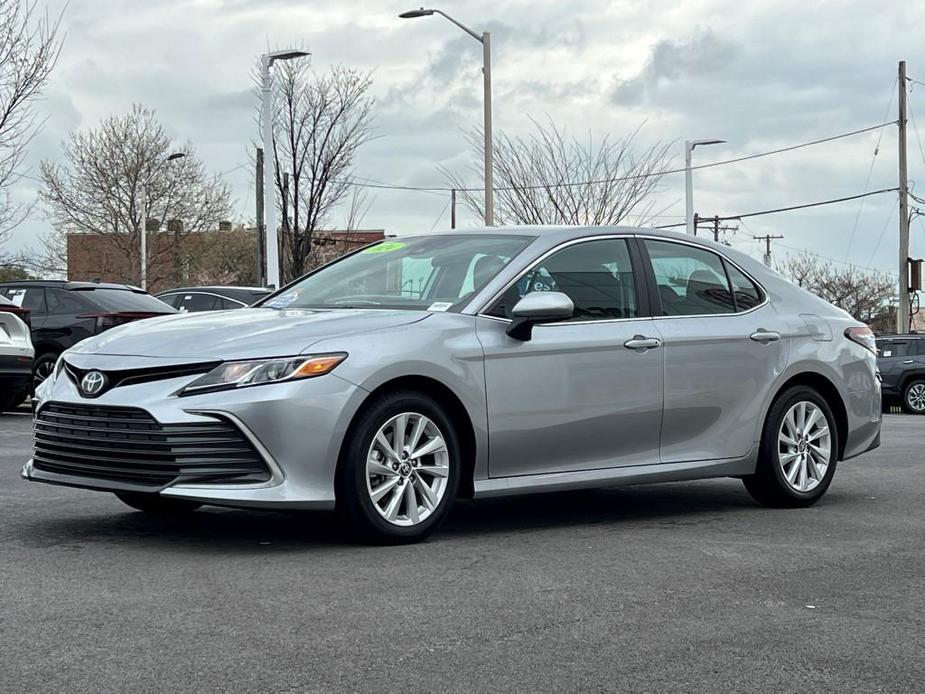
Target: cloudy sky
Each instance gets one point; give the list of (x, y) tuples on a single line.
[(760, 74)]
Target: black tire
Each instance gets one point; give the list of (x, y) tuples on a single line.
[(913, 392), (354, 505), (42, 367), (768, 485), (157, 504)]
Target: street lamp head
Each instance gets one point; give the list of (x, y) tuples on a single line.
[(694, 143), (414, 14), (288, 54), (176, 155)]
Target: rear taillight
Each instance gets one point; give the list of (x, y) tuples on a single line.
[(864, 336), (105, 321), (24, 314)]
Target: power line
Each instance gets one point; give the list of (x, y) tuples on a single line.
[(793, 207), (870, 171), (652, 174)]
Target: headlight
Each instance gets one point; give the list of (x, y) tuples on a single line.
[(239, 374)]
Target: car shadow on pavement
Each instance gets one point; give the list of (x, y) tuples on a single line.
[(214, 529)]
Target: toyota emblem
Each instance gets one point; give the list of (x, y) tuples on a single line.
[(92, 383)]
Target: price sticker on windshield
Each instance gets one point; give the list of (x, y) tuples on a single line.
[(384, 247), (439, 306)]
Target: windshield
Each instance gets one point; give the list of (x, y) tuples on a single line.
[(423, 272)]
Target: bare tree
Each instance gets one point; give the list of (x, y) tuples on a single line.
[(549, 177), (321, 121), (113, 170), (866, 295), (29, 48)]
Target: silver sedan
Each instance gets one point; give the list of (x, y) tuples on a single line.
[(470, 364)]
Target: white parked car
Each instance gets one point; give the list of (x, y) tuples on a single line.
[(16, 354)]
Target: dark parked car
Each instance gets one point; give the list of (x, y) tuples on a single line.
[(64, 313), (195, 299), (901, 360)]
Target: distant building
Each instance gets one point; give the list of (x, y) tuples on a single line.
[(224, 256)]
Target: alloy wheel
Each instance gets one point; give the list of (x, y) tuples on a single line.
[(915, 397), (804, 446), (43, 370), (407, 467)]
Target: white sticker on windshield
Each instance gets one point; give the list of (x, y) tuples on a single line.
[(17, 296), (439, 306), (283, 300)]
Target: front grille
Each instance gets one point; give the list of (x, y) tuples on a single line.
[(127, 445)]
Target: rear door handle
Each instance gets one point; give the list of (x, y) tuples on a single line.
[(764, 336), (909, 361), (641, 342)]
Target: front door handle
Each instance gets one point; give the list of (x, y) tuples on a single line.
[(641, 342), (764, 336), (909, 361)]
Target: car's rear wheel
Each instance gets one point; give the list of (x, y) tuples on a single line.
[(399, 470), (798, 452), (914, 397), (157, 504)]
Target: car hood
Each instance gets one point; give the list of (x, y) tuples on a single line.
[(239, 334)]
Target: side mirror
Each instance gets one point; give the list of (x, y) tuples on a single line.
[(539, 307)]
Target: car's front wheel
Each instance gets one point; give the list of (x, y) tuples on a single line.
[(914, 397), (399, 470), (157, 504), (799, 450)]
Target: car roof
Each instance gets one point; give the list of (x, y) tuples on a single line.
[(66, 284)]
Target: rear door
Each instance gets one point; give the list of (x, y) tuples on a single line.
[(581, 394), (722, 349)]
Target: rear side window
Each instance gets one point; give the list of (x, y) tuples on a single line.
[(119, 300), (172, 300), (61, 302), (691, 281), (747, 294)]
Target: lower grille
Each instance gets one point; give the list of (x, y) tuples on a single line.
[(127, 445)]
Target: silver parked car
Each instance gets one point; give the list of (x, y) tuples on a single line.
[(475, 363)]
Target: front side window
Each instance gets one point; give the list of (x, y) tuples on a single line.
[(691, 281), (596, 275), (62, 302), (894, 348), (439, 273)]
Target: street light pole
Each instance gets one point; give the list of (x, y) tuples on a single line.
[(143, 242), (689, 146), (271, 251), (485, 40)]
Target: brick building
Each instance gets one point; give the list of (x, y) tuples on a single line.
[(225, 256)]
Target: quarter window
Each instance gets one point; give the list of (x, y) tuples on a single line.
[(747, 294), (596, 275), (691, 281)]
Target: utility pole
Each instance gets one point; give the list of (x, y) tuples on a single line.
[(261, 275), (453, 209), (902, 311), (693, 229), (716, 228), (285, 202), (767, 246)]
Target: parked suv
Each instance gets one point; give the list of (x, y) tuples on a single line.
[(901, 360), (64, 313), (15, 355)]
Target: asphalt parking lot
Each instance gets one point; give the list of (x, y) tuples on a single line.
[(679, 587)]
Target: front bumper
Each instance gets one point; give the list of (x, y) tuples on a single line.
[(297, 428)]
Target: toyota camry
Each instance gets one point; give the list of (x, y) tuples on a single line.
[(470, 364)]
